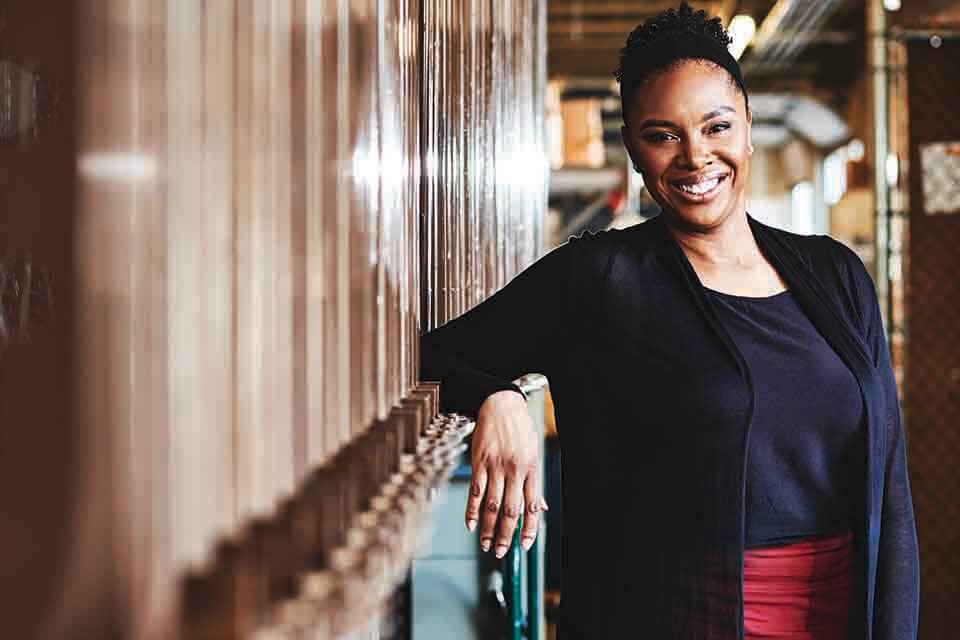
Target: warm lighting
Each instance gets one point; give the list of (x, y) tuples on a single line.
[(742, 29), (803, 208), (835, 175), (119, 165), (856, 150), (892, 169), (891, 5)]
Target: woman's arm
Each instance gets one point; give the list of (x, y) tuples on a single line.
[(511, 333), (520, 329)]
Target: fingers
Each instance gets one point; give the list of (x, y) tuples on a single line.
[(478, 486), (512, 506), (534, 505), (491, 507)]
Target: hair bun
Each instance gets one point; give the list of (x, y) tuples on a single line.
[(670, 36)]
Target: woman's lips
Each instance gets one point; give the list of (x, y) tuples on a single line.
[(699, 192)]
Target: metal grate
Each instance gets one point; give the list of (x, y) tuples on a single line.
[(932, 391)]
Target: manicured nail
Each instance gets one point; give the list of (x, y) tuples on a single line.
[(485, 544), (501, 550), (527, 543), (471, 524)]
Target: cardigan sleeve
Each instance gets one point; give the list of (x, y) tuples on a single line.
[(897, 600), (514, 332)]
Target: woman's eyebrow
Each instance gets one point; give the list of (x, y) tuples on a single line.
[(718, 111), (657, 123), (666, 123)]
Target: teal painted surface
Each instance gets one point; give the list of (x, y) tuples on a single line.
[(513, 581), (535, 590), (445, 597), (446, 590)]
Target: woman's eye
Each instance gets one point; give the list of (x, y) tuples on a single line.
[(659, 137), (720, 126)]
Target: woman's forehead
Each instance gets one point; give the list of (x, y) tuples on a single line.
[(692, 87)]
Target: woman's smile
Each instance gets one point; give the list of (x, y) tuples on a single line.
[(699, 189)]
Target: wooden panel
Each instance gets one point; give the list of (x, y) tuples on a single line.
[(252, 264), (37, 443), (484, 162)]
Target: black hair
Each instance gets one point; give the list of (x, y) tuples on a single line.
[(665, 40)]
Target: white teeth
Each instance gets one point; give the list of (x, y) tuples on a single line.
[(701, 187)]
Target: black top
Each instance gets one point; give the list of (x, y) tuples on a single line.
[(806, 450), (654, 403)]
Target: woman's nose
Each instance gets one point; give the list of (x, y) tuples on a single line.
[(693, 153)]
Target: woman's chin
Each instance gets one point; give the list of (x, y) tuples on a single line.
[(699, 216), (700, 212)]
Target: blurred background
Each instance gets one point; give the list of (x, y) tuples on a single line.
[(224, 225)]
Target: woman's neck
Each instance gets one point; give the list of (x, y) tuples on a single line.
[(729, 245), (727, 258)]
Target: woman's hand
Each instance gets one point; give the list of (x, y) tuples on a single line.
[(506, 473)]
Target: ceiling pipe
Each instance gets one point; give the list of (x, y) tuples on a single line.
[(800, 15), (771, 25), (793, 48), (877, 57), (801, 19)]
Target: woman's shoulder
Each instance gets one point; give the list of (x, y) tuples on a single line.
[(607, 242), (840, 271), (616, 236), (595, 252), (830, 256), (813, 248), (826, 255)]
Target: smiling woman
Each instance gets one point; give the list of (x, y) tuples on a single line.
[(750, 367)]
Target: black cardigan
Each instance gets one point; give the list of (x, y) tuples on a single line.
[(653, 404)]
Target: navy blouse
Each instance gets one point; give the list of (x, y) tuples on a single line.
[(655, 407), (804, 462)]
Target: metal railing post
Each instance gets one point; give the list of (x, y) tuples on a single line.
[(513, 574), (527, 624)]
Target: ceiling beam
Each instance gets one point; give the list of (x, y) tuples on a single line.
[(592, 43), (574, 8), (725, 11), (604, 41), (594, 64), (575, 27)]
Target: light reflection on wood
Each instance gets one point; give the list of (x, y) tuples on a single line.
[(275, 199)]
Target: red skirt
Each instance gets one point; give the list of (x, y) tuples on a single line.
[(798, 591)]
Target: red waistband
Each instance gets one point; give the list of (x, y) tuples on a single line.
[(798, 591)]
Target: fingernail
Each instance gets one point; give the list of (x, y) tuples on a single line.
[(471, 525), (485, 545), (501, 551), (527, 543)]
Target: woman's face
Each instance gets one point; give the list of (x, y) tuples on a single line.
[(688, 133)]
